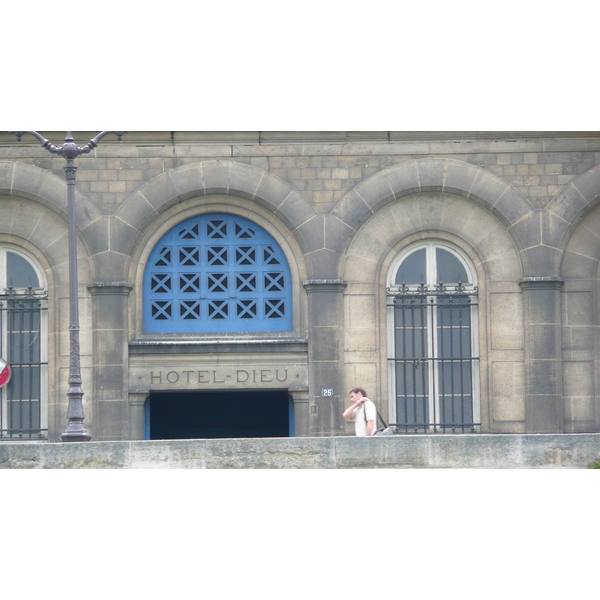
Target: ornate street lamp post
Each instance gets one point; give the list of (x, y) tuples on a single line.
[(75, 431)]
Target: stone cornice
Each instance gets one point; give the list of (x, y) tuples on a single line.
[(541, 282), (325, 285), (277, 138), (110, 287), (265, 137), (191, 146)]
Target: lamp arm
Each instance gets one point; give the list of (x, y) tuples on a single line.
[(74, 150), (45, 143), (93, 143)]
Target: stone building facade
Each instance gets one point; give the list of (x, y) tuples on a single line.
[(240, 284)]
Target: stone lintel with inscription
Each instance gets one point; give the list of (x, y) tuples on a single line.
[(183, 377)]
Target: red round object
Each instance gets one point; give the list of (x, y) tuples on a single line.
[(5, 373)]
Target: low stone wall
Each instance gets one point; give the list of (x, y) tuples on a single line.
[(401, 451)]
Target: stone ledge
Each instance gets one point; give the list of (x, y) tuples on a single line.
[(483, 451)]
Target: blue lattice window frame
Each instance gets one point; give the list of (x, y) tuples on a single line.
[(217, 273)]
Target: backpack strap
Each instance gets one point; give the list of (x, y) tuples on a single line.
[(380, 417)]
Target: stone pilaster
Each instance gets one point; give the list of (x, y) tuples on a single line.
[(544, 411), (325, 317), (111, 359), (137, 416)]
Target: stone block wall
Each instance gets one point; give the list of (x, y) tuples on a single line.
[(521, 206)]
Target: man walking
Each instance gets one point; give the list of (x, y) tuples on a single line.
[(363, 411)]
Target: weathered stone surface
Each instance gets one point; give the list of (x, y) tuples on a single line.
[(343, 205), (442, 451)]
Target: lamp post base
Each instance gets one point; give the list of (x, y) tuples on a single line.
[(76, 432), (75, 437)]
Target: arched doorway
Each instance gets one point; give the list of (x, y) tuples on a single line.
[(228, 414)]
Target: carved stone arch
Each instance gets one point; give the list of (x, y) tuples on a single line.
[(212, 204), (215, 186), (569, 208), (427, 215), (48, 192), (440, 175), (40, 185), (151, 200)]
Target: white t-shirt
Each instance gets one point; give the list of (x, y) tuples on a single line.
[(360, 425)]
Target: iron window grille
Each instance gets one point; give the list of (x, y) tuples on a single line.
[(434, 366), (21, 345)]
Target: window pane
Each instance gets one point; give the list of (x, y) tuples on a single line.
[(23, 334), (20, 272), (449, 268), (454, 331), (24, 415), (410, 325), (412, 270), (456, 410), (412, 405)]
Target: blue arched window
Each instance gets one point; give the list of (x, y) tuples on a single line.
[(214, 273)]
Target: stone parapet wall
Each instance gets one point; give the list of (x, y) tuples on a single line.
[(570, 451)]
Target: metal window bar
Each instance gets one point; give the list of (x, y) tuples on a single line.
[(20, 345), (433, 362)]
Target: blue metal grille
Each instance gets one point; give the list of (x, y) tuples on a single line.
[(214, 273)]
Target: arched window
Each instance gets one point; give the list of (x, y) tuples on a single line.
[(23, 346), (433, 354), (217, 273)]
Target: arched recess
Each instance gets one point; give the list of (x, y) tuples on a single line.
[(482, 236), (42, 233), (176, 213), (479, 186), (45, 188), (580, 269), (569, 208), (262, 192)]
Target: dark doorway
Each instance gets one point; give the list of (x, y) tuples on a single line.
[(193, 415)]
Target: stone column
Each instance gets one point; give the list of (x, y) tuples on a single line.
[(137, 415), (325, 322), (110, 318), (544, 411), (301, 412)]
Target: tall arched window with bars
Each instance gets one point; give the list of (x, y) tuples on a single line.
[(23, 346), (217, 273), (433, 349)]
